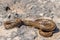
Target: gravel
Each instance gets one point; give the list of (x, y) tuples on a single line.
[(28, 9)]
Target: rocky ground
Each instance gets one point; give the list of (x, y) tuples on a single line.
[(31, 10)]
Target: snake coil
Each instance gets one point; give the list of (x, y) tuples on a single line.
[(45, 26)]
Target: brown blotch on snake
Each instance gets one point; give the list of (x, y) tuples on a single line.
[(46, 24)]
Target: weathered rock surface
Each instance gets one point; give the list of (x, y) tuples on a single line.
[(28, 9)]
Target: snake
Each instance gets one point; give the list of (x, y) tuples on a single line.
[(45, 26)]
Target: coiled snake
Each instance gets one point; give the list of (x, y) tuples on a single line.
[(45, 26)]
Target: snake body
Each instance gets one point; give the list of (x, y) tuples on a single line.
[(45, 26)]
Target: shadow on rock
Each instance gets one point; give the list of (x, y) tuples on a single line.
[(56, 30)]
